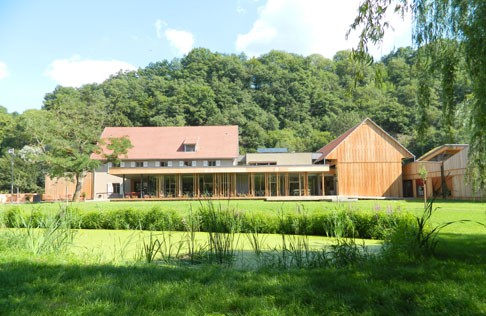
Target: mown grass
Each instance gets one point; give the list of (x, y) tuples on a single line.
[(453, 284), (412, 205), (80, 283)]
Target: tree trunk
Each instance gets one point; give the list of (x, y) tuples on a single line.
[(79, 185)]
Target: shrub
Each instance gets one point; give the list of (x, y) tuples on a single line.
[(339, 222), (93, 220)]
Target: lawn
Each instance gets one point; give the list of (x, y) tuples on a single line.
[(452, 284), (98, 275)]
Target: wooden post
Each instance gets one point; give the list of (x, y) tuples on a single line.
[(266, 184), (286, 183), (306, 184), (323, 188)]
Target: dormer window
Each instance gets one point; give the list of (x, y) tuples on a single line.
[(190, 145), (188, 148)]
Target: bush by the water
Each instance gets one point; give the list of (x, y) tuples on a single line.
[(338, 222)]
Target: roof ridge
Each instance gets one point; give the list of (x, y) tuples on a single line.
[(331, 146)]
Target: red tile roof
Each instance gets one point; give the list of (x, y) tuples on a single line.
[(212, 142)]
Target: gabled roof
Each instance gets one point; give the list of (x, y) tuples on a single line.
[(329, 148), (149, 143), (326, 150), (442, 153)]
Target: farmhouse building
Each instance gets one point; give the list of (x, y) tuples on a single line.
[(204, 161)]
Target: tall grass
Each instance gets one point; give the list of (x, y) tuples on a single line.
[(43, 234), (338, 222), (411, 240), (223, 228)]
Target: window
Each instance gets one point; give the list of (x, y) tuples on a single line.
[(263, 163), (122, 164), (145, 164), (212, 163), (181, 163), (132, 164), (169, 163), (161, 164), (189, 148), (139, 164), (187, 164), (193, 163), (116, 188)]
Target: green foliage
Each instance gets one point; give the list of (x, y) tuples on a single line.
[(278, 100), (115, 148), (416, 239), (451, 50), (42, 234), (214, 217), (222, 226)]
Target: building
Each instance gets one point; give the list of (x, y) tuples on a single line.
[(445, 168), (366, 162), (202, 161)]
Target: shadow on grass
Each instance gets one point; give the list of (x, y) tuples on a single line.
[(462, 247), (42, 287)]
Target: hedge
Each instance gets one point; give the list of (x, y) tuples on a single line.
[(339, 222)]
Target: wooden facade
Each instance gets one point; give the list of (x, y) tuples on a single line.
[(446, 174), (367, 161), (58, 189)]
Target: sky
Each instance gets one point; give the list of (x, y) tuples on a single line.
[(46, 43)]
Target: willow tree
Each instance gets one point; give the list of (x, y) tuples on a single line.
[(444, 32)]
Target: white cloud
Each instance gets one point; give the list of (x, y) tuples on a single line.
[(3, 70), (74, 72), (158, 27), (182, 41), (307, 27)]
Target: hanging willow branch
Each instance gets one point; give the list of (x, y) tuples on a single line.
[(444, 31)]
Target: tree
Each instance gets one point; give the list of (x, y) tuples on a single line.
[(67, 132), (444, 31), (113, 148)]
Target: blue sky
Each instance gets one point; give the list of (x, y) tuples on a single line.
[(73, 42)]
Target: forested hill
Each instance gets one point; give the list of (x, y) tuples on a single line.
[(277, 100)]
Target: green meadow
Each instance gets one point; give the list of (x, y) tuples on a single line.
[(106, 272)]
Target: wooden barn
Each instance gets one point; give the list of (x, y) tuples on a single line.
[(446, 174), (366, 162)]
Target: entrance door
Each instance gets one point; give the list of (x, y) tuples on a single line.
[(407, 188)]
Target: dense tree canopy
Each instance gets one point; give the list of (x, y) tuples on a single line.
[(451, 39), (278, 100)]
